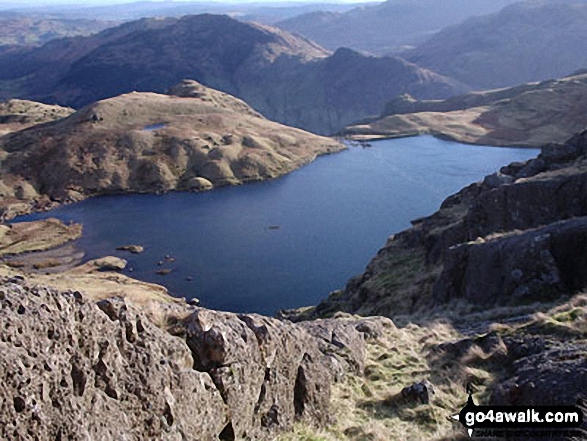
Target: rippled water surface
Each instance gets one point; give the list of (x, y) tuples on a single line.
[(289, 242)]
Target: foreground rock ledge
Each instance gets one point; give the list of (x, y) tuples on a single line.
[(75, 369)]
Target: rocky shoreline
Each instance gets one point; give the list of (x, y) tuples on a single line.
[(28, 237), (502, 241)]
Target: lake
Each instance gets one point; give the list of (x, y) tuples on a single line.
[(288, 242)]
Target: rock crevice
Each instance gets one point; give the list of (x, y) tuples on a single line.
[(73, 368)]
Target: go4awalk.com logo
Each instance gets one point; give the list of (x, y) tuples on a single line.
[(520, 421)]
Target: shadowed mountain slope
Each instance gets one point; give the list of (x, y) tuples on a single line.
[(530, 41), (286, 78), (386, 27)]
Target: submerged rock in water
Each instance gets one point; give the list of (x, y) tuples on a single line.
[(133, 249), (108, 263)]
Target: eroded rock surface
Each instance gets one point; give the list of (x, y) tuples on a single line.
[(76, 369), (553, 376)]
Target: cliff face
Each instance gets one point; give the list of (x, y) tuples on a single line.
[(527, 115), (74, 368), (197, 139), (515, 238)]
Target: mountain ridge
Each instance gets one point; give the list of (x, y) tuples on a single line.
[(387, 27), (288, 79)]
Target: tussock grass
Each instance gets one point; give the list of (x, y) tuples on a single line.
[(368, 408)]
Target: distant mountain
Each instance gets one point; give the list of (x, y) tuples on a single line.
[(134, 10), (528, 115), (288, 79), (529, 41), (19, 29), (386, 27), (35, 71)]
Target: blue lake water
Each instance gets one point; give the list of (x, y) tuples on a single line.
[(153, 127), (288, 242)]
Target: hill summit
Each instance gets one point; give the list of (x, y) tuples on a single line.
[(197, 139)]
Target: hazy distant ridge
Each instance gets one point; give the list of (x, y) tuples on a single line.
[(389, 26), (529, 41)]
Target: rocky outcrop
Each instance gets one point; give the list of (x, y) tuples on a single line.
[(74, 368), (145, 142), (551, 375), (269, 373), (42, 235), (517, 237), (539, 265), (537, 360), (528, 115)]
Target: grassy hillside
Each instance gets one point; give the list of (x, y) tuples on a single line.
[(528, 115)]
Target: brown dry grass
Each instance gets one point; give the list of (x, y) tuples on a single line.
[(363, 406), (36, 236)]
